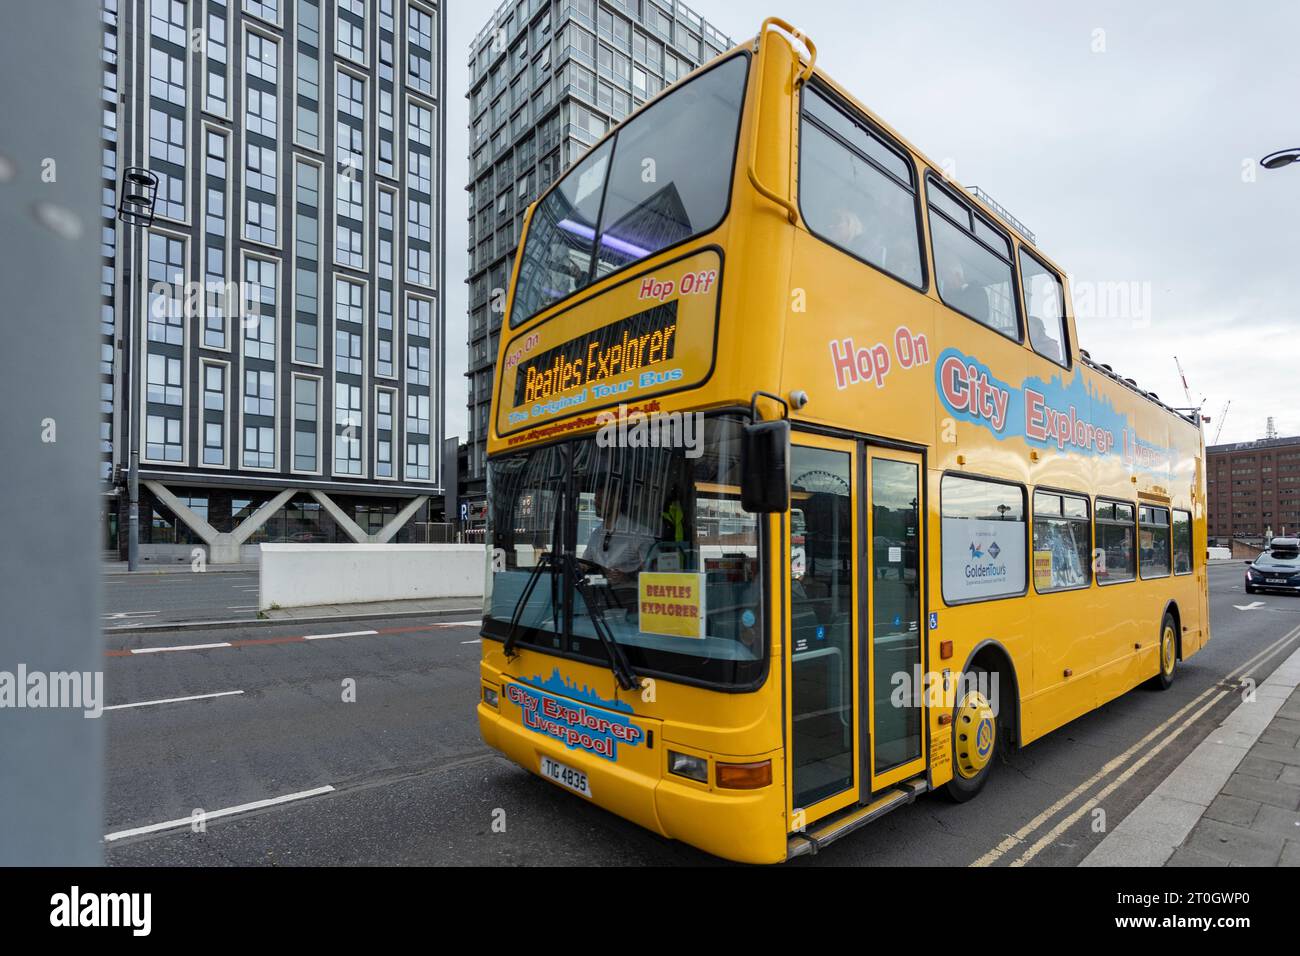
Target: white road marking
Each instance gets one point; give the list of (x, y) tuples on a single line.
[(1252, 606), (474, 623), (124, 615), (215, 814), (174, 700), (1020, 837), (179, 647), (472, 642), (243, 607), (326, 637)]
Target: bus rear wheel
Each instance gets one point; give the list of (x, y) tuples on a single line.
[(974, 738), (1168, 653)]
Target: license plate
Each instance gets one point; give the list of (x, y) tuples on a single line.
[(1275, 580), (566, 776)]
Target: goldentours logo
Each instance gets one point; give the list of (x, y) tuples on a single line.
[(76, 909), (74, 690), (635, 429)]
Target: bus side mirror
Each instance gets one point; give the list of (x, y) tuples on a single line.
[(765, 467)]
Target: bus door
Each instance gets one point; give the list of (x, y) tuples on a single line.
[(894, 628), (854, 623), (825, 545)]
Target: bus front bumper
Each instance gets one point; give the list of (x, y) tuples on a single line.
[(748, 826)]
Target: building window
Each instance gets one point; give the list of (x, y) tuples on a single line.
[(419, 70), (307, 251), (417, 461), (214, 388), (347, 429), (417, 365), (164, 379), (418, 312), (347, 352), (348, 246), (163, 438), (260, 115), (350, 30), (259, 309), (259, 392), (417, 414), (166, 76), (259, 446), (166, 282), (306, 402), (268, 10)]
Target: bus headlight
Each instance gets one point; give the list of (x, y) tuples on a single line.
[(689, 766), (490, 696)]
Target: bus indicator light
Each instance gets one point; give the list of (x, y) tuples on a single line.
[(744, 776)]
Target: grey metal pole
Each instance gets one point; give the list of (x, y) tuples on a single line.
[(133, 389)]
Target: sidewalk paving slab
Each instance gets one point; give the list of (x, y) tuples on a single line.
[(1234, 800)]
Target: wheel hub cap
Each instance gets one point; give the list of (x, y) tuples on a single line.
[(975, 728)]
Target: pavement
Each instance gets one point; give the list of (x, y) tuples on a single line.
[(1234, 800), (164, 599), (355, 742)]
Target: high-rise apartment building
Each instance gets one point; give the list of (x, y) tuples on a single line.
[(547, 79), (1254, 489), (273, 340)]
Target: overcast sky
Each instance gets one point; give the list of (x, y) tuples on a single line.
[(1125, 135)]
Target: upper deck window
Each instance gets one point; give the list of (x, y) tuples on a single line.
[(1045, 309), (972, 263), (857, 191), (662, 178)]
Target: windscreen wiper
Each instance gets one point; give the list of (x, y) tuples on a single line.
[(512, 634), (627, 678)]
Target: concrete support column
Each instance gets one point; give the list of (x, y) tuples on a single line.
[(223, 546), (341, 518), (389, 531)]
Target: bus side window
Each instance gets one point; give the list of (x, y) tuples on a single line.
[(857, 192), (1045, 308), (972, 263)]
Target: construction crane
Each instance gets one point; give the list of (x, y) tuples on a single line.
[(1222, 416), (1192, 407)]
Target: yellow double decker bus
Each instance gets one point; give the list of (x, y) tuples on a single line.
[(803, 499)]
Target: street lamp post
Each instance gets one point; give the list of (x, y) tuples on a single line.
[(138, 194)]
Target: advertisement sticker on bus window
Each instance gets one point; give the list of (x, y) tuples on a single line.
[(650, 334), (982, 558), (671, 604), (1043, 570)]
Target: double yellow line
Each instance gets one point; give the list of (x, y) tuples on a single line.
[(1197, 708)]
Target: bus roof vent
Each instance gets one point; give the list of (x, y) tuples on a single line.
[(1002, 211)]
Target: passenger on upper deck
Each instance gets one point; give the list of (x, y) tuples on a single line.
[(962, 295)]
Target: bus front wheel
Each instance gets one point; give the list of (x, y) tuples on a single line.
[(1168, 653), (974, 737)]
